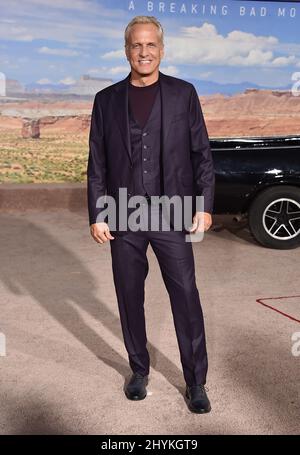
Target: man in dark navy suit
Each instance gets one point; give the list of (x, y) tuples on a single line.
[(148, 136)]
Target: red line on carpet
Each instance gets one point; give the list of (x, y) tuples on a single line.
[(275, 309)]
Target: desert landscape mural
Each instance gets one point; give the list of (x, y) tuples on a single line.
[(243, 63)]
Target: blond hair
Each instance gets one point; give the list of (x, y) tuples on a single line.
[(144, 20)]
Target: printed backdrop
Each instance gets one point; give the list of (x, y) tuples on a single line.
[(242, 56)]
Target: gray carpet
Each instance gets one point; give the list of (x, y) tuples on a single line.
[(65, 362)]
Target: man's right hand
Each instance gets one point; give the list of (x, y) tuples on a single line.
[(100, 232)]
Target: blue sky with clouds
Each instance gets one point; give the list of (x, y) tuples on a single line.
[(56, 41)]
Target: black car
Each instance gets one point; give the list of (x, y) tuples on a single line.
[(259, 177)]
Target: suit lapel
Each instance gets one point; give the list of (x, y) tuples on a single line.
[(121, 109), (168, 102)]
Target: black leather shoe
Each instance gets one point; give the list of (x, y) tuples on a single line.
[(136, 387), (198, 400)]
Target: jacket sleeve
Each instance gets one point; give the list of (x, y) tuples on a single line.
[(201, 156), (96, 168)]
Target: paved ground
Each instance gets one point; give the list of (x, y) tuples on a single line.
[(65, 362)]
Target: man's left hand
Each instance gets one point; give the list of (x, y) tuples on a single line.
[(201, 221)]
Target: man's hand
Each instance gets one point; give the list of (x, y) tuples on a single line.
[(201, 219), (100, 232)]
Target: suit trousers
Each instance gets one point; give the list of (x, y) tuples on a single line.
[(176, 261)]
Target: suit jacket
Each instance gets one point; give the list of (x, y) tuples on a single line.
[(187, 163)]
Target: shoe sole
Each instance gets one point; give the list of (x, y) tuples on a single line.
[(135, 397), (197, 411)]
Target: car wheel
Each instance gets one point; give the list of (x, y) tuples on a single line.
[(274, 217)]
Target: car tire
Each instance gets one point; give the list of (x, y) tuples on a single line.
[(273, 218)]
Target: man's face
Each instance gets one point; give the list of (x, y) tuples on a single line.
[(144, 51)]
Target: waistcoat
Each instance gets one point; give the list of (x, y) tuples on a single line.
[(146, 152)]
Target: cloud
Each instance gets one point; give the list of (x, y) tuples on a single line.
[(105, 71), (43, 81), (283, 61), (61, 52), (114, 54), (255, 57), (170, 70), (79, 22), (80, 5), (118, 70), (205, 74), (205, 46), (67, 81)]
